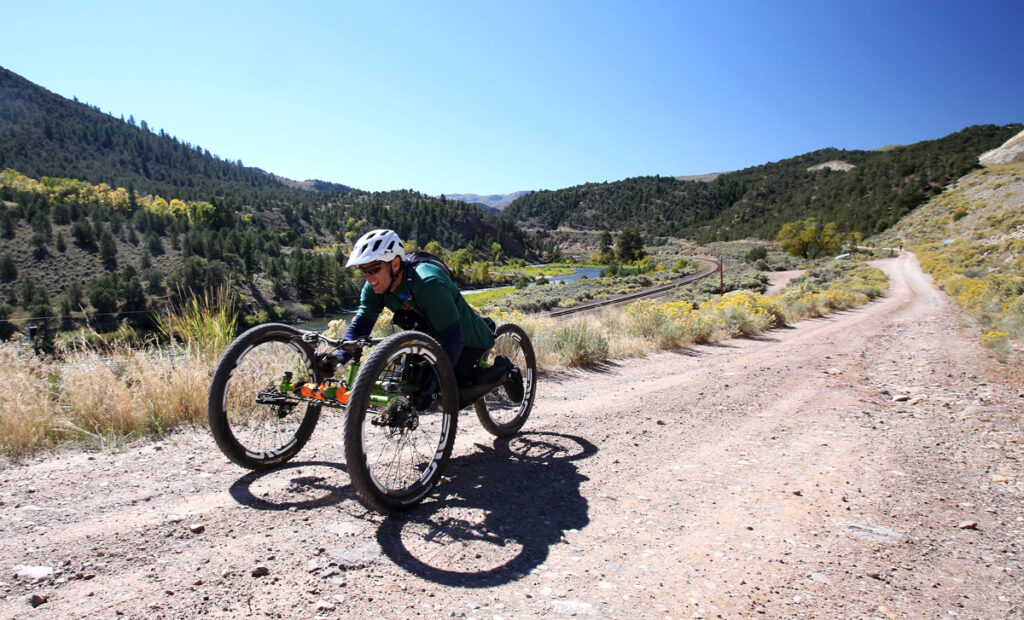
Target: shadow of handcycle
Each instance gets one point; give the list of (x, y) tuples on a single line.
[(493, 520)]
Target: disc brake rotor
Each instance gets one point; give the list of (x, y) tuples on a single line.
[(398, 415)]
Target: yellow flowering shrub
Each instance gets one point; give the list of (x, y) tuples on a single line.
[(741, 312)]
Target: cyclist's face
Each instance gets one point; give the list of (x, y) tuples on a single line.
[(379, 274)]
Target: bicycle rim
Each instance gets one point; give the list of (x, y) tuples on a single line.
[(503, 414), (265, 424)]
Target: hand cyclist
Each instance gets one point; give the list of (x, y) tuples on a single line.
[(422, 297)]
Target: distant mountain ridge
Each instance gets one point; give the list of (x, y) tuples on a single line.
[(492, 201)]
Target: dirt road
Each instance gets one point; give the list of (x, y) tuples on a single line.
[(867, 464)]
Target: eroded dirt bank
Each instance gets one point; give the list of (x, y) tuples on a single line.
[(865, 464)]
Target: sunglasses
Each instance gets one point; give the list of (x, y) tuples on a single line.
[(372, 270)]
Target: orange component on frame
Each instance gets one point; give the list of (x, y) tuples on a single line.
[(323, 392)]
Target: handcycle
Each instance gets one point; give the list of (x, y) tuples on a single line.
[(401, 405)]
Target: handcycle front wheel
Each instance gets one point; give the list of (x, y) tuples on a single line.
[(498, 413), (254, 424), (397, 445)]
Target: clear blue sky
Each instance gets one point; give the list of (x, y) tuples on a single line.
[(494, 97)]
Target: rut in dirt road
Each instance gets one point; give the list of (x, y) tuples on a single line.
[(862, 464)]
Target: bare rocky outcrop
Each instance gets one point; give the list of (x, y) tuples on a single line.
[(1012, 151), (836, 165)]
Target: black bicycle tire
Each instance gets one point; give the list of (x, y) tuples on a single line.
[(530, 380), (217, 414), (369, 491)]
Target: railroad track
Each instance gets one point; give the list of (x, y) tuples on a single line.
[(713, 265)]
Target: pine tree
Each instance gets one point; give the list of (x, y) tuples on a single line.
[(108, 249), (8, 270)]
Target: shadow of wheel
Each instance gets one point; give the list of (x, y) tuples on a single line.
[(508, 504)]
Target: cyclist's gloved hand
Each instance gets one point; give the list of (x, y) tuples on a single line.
[(327, 363), (405, 319)]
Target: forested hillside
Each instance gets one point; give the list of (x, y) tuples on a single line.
[(879, 188)]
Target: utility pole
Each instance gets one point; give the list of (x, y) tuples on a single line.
[(721, 277)]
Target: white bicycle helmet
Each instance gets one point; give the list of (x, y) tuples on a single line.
[(376, 245)]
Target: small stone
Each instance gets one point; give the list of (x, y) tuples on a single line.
[(901, 398), (323, 605), (798, 493), (968, 525), (36, 600), (197, 528), (260, 571), (33, 573)]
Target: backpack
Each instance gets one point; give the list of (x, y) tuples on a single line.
[(408, 319), (415, 258)]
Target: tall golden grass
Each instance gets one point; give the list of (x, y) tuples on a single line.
[(107, 397)]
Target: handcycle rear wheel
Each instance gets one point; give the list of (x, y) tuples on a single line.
[(499, 414), (395, 451), (255, 425)]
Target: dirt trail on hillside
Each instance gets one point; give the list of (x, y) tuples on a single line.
[(863, 464)]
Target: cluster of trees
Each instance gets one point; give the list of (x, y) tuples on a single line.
[(629, 247), (139, 254), (810, 239), (755, 202)]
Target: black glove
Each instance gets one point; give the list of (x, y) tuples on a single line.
[(327, 363), (406, 320)]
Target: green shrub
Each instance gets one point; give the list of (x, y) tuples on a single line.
[(577, 343)]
